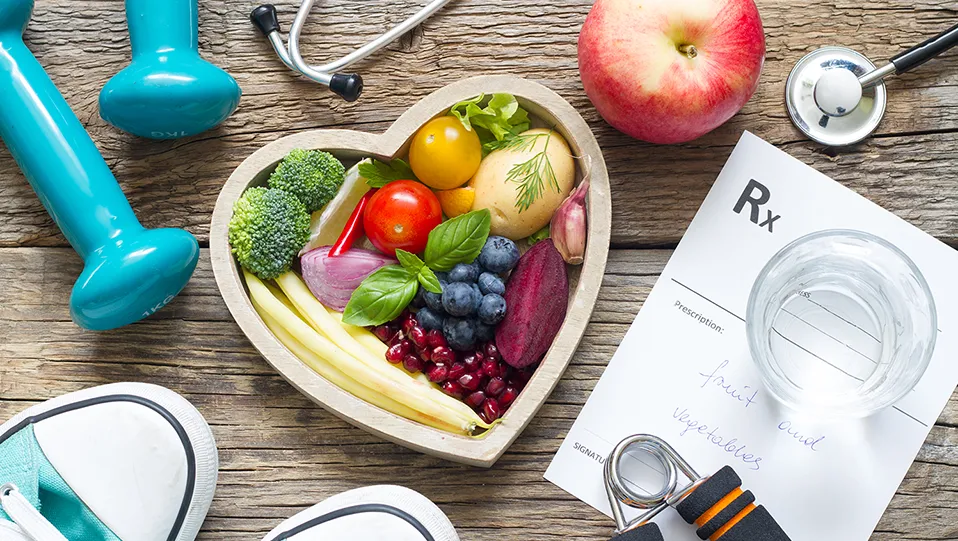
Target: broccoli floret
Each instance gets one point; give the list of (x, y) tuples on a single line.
[(268, 228), (313, 176)]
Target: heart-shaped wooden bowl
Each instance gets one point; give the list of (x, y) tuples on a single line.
[(551, 111)]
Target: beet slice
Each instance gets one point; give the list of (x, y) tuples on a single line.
[(537, 297)]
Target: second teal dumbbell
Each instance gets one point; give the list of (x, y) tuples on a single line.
[(167, 91)]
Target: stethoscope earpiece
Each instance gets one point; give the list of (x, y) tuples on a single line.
[(347, 85)]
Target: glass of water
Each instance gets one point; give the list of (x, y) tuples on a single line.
[(841, 323)]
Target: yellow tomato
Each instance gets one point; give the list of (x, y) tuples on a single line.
[(444, 154)]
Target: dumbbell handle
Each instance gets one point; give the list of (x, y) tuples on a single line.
[(58, 158), (162, 25)]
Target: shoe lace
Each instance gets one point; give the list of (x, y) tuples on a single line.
[(26, 516)]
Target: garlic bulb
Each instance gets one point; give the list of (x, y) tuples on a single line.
[(569, 225)]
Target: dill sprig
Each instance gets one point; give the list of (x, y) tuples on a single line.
[(533, 174)]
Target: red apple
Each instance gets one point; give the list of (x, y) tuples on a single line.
[(668, 71)]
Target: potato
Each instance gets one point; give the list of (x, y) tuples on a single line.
[(499, 195)]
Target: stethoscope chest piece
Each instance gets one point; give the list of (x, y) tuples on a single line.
[(827, 102)]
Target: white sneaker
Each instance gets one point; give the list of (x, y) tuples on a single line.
[(121, 462), (376, 513)]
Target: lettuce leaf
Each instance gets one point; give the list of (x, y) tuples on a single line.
[(500, 118)]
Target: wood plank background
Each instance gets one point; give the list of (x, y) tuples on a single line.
[(279, 452)]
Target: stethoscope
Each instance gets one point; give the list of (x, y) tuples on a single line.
[(347, 85), (837, 97)]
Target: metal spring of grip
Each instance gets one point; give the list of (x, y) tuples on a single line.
[(619, 492)]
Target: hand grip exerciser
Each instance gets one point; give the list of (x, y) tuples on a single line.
[(716, 505), (130, 272), (167, 91)]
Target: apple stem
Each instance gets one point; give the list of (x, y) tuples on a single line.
[(688, 50)]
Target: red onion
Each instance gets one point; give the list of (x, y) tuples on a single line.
[(333, 279)]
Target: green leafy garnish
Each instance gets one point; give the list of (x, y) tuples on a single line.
[(500, 118), (429, 280), (379, 174), (458, 240), (382, 296), (533, 174), (539, 235), (409, 260), (424, 274)]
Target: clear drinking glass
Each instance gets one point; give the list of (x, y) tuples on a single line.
[(841, 323)]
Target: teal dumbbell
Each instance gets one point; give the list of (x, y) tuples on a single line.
[(167, 91), (130, 272)]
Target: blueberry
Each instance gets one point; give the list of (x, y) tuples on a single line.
[(491, 283), (485, 333), (460, 299), (443, 277), (464, 272), (499, 254), (419, 300), (429, 319), (460, 333), (492, 309), (433, 300), (478, 292)]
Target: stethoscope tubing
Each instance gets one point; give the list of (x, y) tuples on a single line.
[(913, 57), (289, 53)]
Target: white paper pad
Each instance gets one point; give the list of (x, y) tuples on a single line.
[(821, 481)]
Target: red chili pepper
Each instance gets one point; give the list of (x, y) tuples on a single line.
[(353, 228)]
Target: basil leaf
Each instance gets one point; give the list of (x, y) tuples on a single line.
[(379, 174), (381, 297), (409, 261), (429, 280), (458, 240)]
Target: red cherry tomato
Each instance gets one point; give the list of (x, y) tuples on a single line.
[(401, 215)]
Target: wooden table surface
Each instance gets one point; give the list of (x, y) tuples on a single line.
[(279, 452)]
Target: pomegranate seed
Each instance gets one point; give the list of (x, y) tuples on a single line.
[(435, 339), (417, 336), (453, 389), (476, 399), (507, 396), (495, 386), (470, 382), (505, 371), (383, 332), (442, 354), (413, 363), (437, 373), (396, 338), (491, 409), (456, 371), (492, 352), (472, 362), (480, 355), (425, 354), (397, 351), (408, 324), (490, 368)]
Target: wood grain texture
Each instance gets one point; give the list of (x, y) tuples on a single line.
[(174, 183), (281, 453)]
